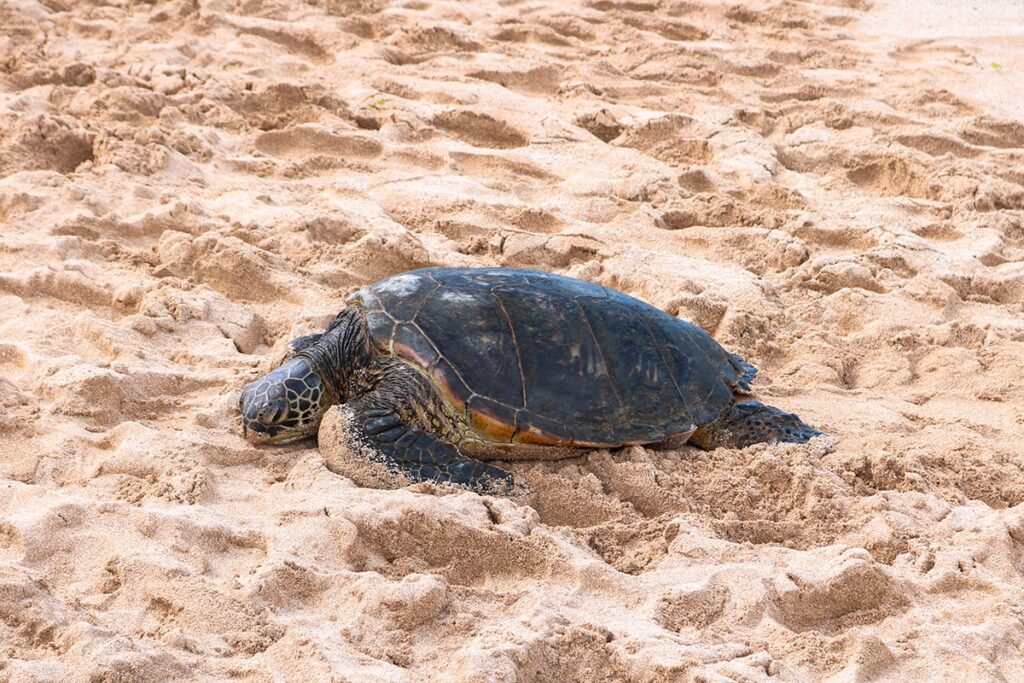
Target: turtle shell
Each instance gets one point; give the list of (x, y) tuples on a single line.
[(532, 357)]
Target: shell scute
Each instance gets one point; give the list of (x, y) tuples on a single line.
[(557, 351), (635, 357), (382, 328), (403, 295), (409, 342), (449, 384), (471, 331), (491, 419)]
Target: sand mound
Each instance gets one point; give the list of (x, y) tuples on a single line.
[(835, 190)]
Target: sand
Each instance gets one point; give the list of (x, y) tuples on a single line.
[(834, 190)]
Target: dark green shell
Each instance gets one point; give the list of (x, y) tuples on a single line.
[(532, 357)]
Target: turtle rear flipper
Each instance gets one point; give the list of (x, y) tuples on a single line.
[(751, 422), (748, 373), (390, 453)]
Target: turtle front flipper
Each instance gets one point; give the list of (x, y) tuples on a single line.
[(372, 446), (751, 422)]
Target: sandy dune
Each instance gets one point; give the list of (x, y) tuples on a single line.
[(835, 190)]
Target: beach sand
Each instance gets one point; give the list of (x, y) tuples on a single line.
[(833, 189)]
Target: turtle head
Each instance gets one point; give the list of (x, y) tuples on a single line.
[(288, 403), (284, 405)]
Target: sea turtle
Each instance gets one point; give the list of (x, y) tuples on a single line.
[(437, 369)]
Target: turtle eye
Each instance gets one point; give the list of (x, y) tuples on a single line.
[(273, 413)]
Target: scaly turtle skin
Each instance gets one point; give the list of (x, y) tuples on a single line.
[(436, 365)]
